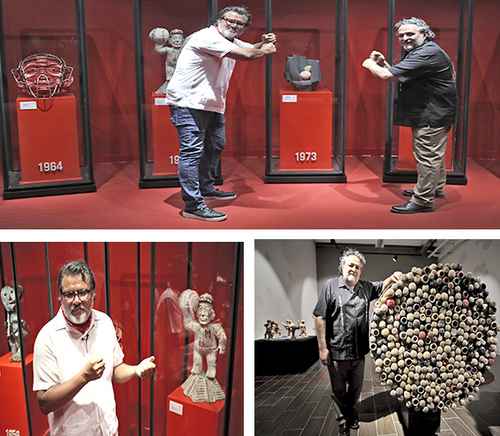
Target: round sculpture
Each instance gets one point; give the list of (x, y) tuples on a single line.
[(432, 337), (43, 75), (209, 340), (302, 73), (14, 328)]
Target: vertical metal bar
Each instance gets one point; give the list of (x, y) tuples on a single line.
[(189, 281), (107, 300), (268, 96), (21, 341), (139, 336), (49, 282), (390, 92), (140, 94), (4, 113), (234, 322), (84, 88), (152, 332), (212, 11), (2, 272), (460, 84), (339, 119), (467, 74), (86, 252)]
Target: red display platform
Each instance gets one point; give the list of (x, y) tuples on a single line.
[(306, 120), (406, 160), (187, 418), (48, 139), (13, 413), (164, 138)]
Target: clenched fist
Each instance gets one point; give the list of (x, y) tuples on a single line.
[(93, 369)]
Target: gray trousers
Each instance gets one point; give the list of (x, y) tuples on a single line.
[(346, 377), (429, 146)]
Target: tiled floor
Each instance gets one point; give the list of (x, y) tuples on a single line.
[(300, 405)]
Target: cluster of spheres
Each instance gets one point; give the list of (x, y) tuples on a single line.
[(433, 336)]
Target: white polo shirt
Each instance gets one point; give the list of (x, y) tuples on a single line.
[(203, 71), (60, 353)]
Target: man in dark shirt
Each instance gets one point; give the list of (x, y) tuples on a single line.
[(341, 318), (427, 101)]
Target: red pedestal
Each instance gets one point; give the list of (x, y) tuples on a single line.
[(13, 412), (187, 418), (48, 139), (406, 160), (164, 138), (306, 120)]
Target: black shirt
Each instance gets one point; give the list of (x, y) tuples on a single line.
[(427, 93), (346, 313)]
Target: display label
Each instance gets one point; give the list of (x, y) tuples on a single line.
[(161, 101), (173, 159), (175, 407), (10, 432), (50, 167), (289, 98), (27, 105), (306, 156)]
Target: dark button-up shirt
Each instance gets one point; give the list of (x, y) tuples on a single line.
[(427, 94), (346, 313)]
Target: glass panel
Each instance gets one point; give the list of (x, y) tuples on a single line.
[(161, 153), (44, 95), (444, 20)]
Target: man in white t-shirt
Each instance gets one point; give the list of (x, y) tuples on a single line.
[(197, 95), (76, 358)]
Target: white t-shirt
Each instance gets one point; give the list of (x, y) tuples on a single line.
[(202, 74), (60, 353)]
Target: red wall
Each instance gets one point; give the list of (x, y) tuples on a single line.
[(305, 27)]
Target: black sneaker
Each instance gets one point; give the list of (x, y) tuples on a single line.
[(219, 195), (204, 213)]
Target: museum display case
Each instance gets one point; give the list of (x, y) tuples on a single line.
[(451, 21), (159, 33), (305, 101), (138, 285), (44, 100)]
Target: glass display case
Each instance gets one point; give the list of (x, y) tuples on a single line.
[(44, 99), (159, 33), (138, 285), (305, 125), (451, 21)]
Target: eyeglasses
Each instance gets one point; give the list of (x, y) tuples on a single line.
[(234, 22), (83, 294)]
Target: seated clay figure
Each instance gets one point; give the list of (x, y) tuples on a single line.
[(303, 328), (269, 329), (291, 327)]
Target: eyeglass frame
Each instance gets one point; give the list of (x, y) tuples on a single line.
[(84, 297), (234, 22)]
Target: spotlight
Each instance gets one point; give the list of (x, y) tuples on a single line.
[(395, 258)]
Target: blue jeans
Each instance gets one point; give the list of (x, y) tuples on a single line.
[(201, 141)]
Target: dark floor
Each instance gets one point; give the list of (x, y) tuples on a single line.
[(300, 405)]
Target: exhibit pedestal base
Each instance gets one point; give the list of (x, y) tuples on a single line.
[(13, 410), (306, 119), (48, 139), (164, 138), (184, 417), (420, 423)]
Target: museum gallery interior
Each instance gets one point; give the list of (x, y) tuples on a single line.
[(104, 144), (292, 388)]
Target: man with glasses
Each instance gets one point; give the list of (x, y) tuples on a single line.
[(427, 102), (197, 97), (76, 358)]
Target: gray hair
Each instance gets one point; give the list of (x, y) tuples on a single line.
[(242, 10), (423, 27), (76, 268), (350, 252)]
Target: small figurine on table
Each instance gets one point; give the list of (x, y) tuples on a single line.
[(14, 327), (209, 340), (303, 329), (291, 327), (169, 43), (276, 330), (269, 329)]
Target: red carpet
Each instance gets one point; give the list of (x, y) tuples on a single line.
[(362, 203)]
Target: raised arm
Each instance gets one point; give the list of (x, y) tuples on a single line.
[(250, 53), (378, 66)]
